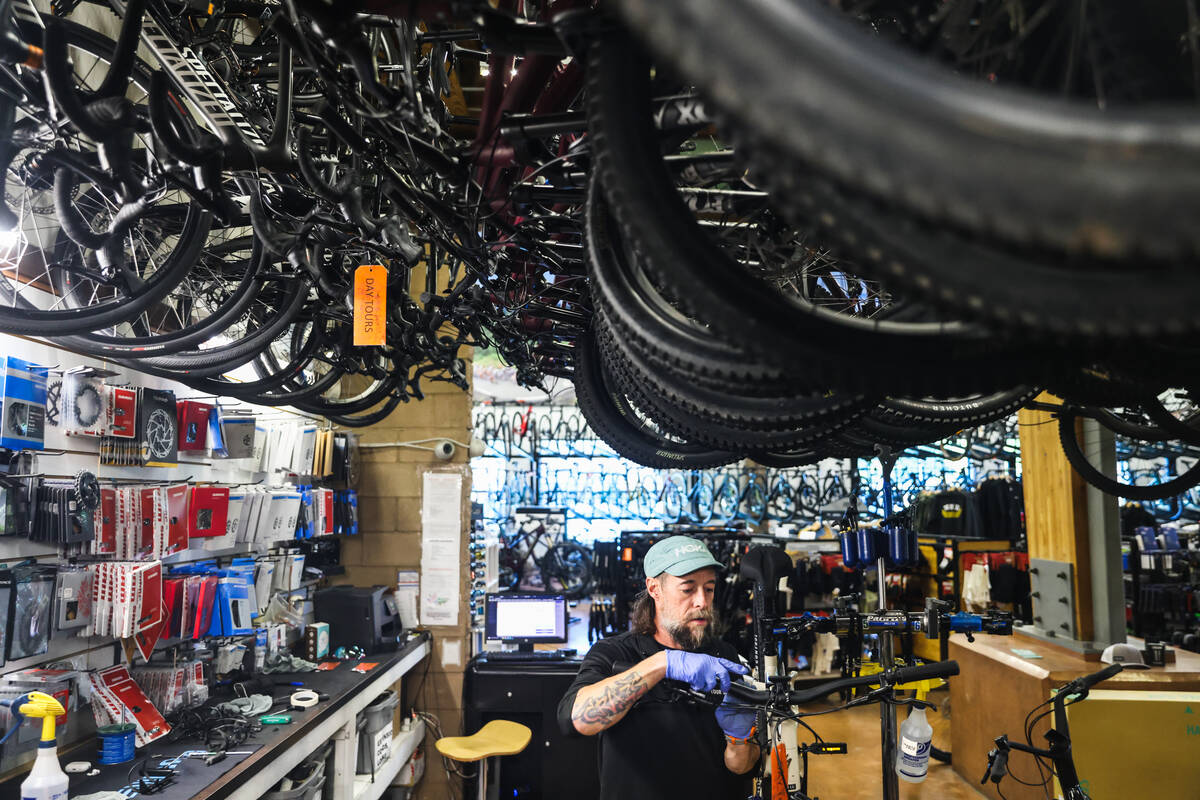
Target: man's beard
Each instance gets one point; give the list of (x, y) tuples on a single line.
[(689, 637)]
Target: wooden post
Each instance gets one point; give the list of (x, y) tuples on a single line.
[(1056, 506)]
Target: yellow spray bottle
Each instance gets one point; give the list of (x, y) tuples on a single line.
[(46, 780)]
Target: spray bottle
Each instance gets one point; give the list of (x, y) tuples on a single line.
[(46, 780), (912, 754)]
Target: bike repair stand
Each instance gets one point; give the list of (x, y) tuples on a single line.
[(887, 712)]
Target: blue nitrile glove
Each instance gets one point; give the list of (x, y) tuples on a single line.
[(700, 671), (736, 722)]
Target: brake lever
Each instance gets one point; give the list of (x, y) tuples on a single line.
[(997, 766), (710, 699)]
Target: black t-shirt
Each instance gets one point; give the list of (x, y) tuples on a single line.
[(664, 747)]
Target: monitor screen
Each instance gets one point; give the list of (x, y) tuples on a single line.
[(526, 618)]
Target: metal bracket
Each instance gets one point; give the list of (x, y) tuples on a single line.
[(1052, 584)]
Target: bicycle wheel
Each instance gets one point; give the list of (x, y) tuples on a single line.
[(775, 327), (571, 565), (1005, 166), (725, 504), (992, 159), (702, 496), (509, 578), (614, 419), (672, 500), (753, 506), (54, 182)]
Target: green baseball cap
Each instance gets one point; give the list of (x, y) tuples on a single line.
[(678, 555)]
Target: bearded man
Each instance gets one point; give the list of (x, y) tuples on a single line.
[(654, 743)]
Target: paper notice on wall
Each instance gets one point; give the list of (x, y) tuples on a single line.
[(441, 542), (408, 589)]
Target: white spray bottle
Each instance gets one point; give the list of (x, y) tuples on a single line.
[(46, 780)]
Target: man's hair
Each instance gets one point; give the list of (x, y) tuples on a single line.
[(642, 616)]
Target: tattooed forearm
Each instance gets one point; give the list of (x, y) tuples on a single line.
[(603, 704), (611, 701)]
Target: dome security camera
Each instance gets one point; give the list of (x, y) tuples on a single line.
[(444, 450)]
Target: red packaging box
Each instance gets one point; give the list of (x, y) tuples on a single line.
[(121, 413), (177, 519), (193, 424), (208, 509), (106, 532)]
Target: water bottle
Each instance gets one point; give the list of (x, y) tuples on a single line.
[(912, 753)]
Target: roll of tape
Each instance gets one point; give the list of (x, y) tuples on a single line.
[(304, 699)]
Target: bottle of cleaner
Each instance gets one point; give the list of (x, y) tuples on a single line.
[(46, 780), (912, 752)]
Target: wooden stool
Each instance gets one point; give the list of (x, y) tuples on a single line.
[(497, 738)]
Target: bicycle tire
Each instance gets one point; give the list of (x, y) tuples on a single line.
[(233, 306), (610, 416), (1074, 454), (206, 363), (991, 159), (652, 393), (19, 315), (571, 565), (773, 328)]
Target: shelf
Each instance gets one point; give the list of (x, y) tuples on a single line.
[(403, 746)]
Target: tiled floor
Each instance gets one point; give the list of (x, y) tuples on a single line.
[(857, 775)]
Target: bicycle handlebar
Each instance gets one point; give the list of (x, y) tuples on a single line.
[(941, 669), (1088, 681)]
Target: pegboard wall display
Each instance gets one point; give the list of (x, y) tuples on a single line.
[(152, 539)]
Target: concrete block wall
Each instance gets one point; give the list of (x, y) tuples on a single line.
[(390, 540)]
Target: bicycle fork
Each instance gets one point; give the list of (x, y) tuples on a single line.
[(786, 775)]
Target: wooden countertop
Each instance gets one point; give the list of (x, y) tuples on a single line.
[(1059, 665)]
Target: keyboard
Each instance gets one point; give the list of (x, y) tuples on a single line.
[(536, 655)]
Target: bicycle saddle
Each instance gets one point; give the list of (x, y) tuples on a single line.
[(764, 565)]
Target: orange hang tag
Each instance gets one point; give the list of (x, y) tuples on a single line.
[(370, 305)]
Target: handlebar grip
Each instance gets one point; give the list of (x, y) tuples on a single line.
[(999, 767), (924, 672), (1088, 681), (746, 692)]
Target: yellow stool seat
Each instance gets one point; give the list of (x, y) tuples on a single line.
[(498, 738)]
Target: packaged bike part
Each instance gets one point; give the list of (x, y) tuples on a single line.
[(192, 425), (24, 490), (154, 523), (177, 518), (238, 433), (83, 403), (158, 428), (73, 599), (24, 404), (146, 639), (120, 699), (105, 542), (121, 419), (30, 611), (7, 525), (207, 510)]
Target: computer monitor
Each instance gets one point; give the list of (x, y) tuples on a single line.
[(526, 619)]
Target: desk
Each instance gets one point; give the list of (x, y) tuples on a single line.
[(278, 749), (553, 766), (996, 689)]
